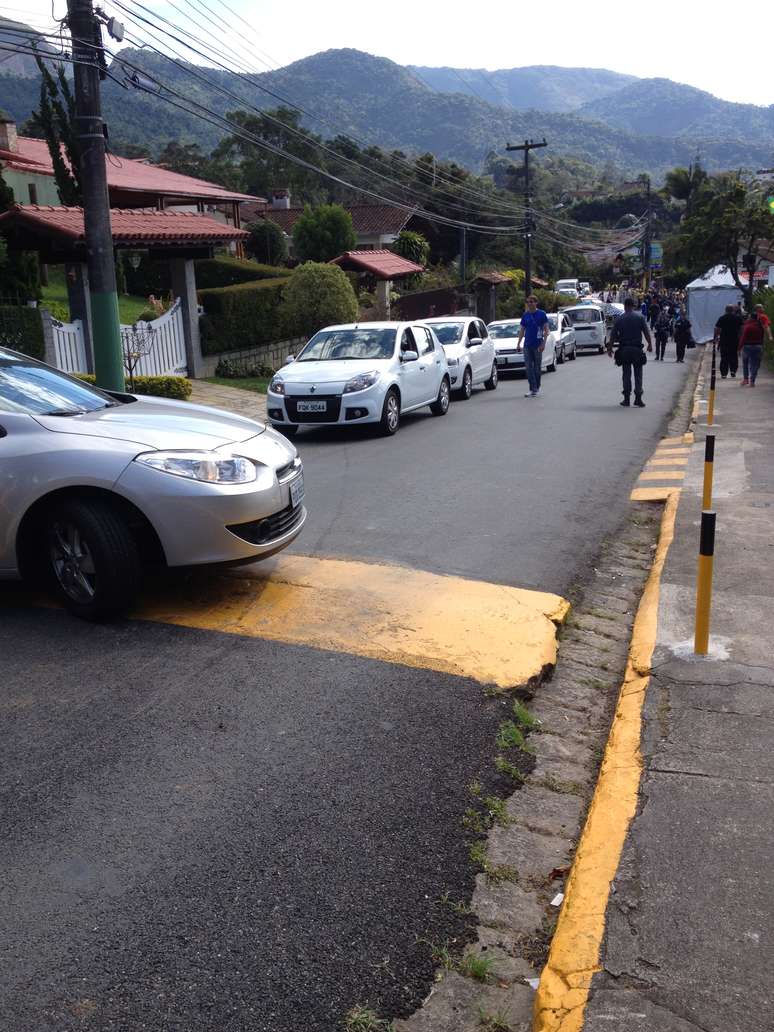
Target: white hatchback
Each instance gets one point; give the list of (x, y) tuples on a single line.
[(469, 352), (510, 354), (360, 373), (588, 321)]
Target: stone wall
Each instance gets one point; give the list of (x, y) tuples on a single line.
[(274, 355)]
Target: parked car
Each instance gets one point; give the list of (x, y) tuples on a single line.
[(358, 374), (95, 485), (588, 321), (510, 354), (469, 352)]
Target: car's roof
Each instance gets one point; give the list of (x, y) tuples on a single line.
[(365, 325), (448, 318), (505, 322)]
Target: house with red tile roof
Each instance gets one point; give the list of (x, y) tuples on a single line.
[(132, 183), (376, 226)]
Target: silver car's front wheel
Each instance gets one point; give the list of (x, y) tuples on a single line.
[(390, 421), (93, 558)]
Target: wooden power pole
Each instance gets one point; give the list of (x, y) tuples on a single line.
[(529, 225)]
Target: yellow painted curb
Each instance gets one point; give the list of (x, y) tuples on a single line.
[(653, 494), (671, 442), (674, 459), (489, 632), (663, 474), (563, 991)]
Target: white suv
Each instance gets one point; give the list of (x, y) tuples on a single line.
[(588, 321), (469, 351)]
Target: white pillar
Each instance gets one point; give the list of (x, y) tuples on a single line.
[(383, 288), (184, 287)]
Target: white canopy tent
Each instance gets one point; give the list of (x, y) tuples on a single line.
[(707, 298)]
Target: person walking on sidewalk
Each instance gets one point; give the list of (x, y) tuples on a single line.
[(751, 346), (533, 332), (682, 338), (663, 326), (727, 330), (628, 331), (760, 311)]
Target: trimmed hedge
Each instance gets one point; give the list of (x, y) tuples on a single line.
[(21, 329), (177, 387), (241, 317), (227, 272)]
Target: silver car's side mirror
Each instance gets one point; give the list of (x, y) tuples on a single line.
[(290, 358), (409, 356), (474, 341)]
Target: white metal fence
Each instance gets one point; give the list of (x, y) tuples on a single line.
[(163, 337), (69, 346)]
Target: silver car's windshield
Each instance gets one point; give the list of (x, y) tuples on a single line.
[(553, 322), (583, 315), (349, 345), (28, 386), (448, 332), (508, 330)]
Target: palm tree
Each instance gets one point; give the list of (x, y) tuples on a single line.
[(684, 184)]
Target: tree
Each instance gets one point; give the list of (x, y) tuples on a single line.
[(729, 219), (413, 246), (323, 233), (267, 242), (683, 184), (54, 120), (316, 296)]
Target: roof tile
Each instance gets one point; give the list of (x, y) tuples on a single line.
[(380, 263)]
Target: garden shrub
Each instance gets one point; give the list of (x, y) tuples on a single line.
[(267, 242), (21, 329), (241, 317), (317, 295), (227, 272), (233, 369), (177, 387)]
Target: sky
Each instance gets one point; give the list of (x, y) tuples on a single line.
[(684, 40)]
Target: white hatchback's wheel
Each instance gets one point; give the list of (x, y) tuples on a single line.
[(467, 384), (390, 421), (491, 383), (441, 404)]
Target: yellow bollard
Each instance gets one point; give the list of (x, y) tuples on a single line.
[(709, 459), (704, 584)]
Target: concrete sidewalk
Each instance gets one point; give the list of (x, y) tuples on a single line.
[(233, 399), (689, 931)]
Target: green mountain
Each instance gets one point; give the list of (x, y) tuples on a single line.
[(666, 108), (378, 101), (542, 87)]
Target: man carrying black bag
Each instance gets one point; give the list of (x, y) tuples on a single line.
[(628, 331)]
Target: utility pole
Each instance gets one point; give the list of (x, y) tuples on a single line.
[(463, 254), (89, 129), (646, 251), (529, 225)]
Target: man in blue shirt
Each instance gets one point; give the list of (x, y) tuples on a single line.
[(534, 333)]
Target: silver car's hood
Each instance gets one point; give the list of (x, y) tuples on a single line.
[(159, 423)]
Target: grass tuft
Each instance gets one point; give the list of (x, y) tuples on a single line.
[(472, 965), (363, 1019), (523, 717)]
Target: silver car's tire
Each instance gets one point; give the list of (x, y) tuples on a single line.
[(441, 404), (574, 354), (560, 359), (466, 389), (390, 421), (551, 367), (93, 558), (491, 383)]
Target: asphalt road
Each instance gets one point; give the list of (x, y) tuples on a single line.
[(504, 488), (207, 833)]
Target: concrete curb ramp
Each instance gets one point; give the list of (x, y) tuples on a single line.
[(494, 634)]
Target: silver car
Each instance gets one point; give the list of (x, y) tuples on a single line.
[(93, 486)]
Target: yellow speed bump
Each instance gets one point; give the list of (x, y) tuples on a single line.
[(489, 632)]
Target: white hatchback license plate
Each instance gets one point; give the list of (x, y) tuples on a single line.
[(311, 406), (297, 490)]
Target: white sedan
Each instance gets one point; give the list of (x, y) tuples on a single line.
[(469, 352), (510, 354), (361, 373)]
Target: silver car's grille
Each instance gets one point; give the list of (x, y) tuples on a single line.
[(288, 472), (508, 351)]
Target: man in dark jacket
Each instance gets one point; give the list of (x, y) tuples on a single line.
[(628, 331)]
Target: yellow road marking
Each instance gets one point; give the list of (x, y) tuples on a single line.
[(494, 634), (653, 494), (662, 474), (669, 460), (671, 442), (563, 991)]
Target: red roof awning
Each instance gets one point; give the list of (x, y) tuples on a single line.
[(384, 265), (133, 227)]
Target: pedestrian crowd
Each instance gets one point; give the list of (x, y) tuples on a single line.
[(735, 335)]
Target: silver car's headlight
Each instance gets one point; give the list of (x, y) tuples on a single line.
[(362, 381), (277, 385), (209, 467)]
